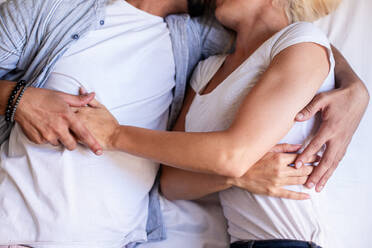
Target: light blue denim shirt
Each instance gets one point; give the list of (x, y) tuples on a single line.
[(34, 34)]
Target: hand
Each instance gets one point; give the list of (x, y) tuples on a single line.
[(45, 116), (342, 111), (272, 172), (100, 122)]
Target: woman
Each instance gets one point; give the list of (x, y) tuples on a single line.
[(240, 106)]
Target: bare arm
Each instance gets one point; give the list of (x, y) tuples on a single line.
[(266, 177), (233, 151), (349, 99)]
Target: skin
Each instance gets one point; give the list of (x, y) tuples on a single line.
[(58, 118), (232, 152)]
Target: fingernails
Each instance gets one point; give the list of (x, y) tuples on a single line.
[(299, 164), (310, 185), (300, 116), (99, 152), (83, 90), (320, 188)]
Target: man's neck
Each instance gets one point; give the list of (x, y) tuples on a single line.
[(160, 8)]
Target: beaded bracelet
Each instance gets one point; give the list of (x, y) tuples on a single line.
[(11, 108)]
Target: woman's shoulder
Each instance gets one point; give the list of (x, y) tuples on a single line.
[(299, 32), (302, 30)]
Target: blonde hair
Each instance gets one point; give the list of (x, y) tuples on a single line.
[(308, 10)]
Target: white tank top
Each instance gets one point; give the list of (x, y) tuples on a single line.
[(249, 216)]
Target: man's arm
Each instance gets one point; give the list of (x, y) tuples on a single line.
[(342, 110), (46, 116)]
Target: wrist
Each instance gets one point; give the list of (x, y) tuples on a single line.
[(115, 138), (5, 91)]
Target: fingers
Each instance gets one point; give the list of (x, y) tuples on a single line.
[(282, 148), (51, 139), (82, 133), (295, 181), (323, 181), (287, 194), (67, 140), (303, 171), (312, 108), (286, 159), (325, 164), (77, 101), (94, 104), (33, 135), (313, 148), (82, 91)]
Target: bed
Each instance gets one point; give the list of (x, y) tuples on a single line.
[(349, 192)]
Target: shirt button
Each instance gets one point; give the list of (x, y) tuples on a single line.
[(75, 36), (102, 22)]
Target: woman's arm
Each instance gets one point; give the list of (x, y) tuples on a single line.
[(276, 99), (266, 177)]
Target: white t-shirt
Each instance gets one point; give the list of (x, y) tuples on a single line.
[(249, 216), (51, 196)]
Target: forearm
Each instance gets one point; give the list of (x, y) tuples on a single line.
[(345, 75), (6, 88), (178, 184), (347, 79), (198, 152)]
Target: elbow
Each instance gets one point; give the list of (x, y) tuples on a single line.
[(233, 163), (367, 95), (363, 92), (166, 186)]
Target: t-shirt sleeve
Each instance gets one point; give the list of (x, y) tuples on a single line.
[(196, 78), (301, 32)]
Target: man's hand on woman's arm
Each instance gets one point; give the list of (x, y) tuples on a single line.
[(342, 110), (267, 177), (45, 116)]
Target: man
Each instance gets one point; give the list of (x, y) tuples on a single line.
[(62, 45)]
